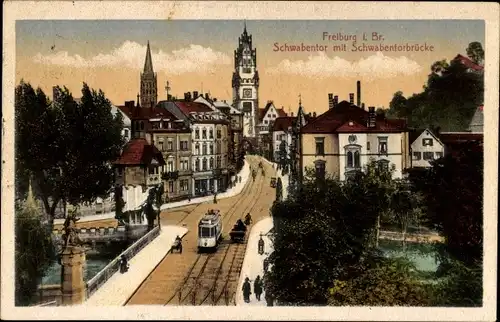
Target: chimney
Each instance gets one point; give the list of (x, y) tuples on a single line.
[(206, 96), (351, 98), (215, 99), (314, 114), (186, 95), (292, 114), (363, 106), (195, 95), (169, 97), (371, 116), (358, 85), (330, 100), (335, 100)]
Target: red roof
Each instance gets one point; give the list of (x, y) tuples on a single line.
[(281, 112), (337, 120), (189, 107), (283, 123), (468, 63), (262, 111), (139, 152), (141, 113)]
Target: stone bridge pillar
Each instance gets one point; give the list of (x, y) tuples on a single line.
[(73, 287)]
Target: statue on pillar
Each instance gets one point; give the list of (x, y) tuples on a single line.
[(70, 236)]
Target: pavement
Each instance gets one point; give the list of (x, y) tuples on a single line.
[(253, 263), (120, 287), (235, 190)]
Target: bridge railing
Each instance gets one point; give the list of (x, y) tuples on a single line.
[(105, 274)]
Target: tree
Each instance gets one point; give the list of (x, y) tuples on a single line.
[(283, 155), (397, 106), (279, 189), (475, 52), (382, 282), (439, 67), (381, 111), (405, 206), (34, 252), (322, 233), (67, 146)]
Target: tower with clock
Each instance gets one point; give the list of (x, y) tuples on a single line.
[(245, 83)]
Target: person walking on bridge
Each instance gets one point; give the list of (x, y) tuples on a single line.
[(246, 290), (257, 287)]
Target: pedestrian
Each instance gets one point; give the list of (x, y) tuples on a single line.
[(189, 198), (215, 198), (257, 287), (239, 178), (246, 290), (266, 264)]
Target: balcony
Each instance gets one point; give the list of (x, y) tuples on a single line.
[(153, 179), (186, 172), (172, 175)]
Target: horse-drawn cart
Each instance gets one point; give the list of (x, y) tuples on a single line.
[(238, 232), (177, 245)]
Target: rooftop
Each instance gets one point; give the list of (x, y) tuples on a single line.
[(139, 152)]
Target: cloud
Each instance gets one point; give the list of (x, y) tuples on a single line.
[(375, 66), (194, 58)]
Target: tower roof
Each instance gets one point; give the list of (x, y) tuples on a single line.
[(148, 63)]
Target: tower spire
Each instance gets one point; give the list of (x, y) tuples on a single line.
[(245, 26), (300, 100), (148, 63)]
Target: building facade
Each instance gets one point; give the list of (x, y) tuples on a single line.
[(209, 147), (245, 84), (344, 139), (425, 147), (282, 137)]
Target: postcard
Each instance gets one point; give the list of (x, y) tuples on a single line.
[(250, 160)]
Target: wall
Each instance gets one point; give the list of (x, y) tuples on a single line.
[(331, 152)]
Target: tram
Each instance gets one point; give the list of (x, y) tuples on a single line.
[(210, 230)]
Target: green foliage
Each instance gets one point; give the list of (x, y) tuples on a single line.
[(448, 101), (453, 190), (279, 189), (382, 282), (67, 146), (34, 253), (475, 52), (322, 233), (154, 200)]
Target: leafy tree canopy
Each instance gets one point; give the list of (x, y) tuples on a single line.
[(67, 146)]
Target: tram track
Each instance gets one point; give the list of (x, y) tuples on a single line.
[(232, 246), (192, 282)]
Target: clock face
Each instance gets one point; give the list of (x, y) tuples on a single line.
[(247, 93)]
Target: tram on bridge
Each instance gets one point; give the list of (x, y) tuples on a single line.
[(210, 230)]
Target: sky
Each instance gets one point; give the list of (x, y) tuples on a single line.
[(198, 55)]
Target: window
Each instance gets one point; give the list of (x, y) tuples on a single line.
[(368, 146), (265, 122), (211, 134), (170, 186), (197, 165), (353, 158), (142, 125), (320, 169), (204, 164), (162, 148), (417, 156), (184, 145), (356, 160), (204, 148), (247, 70), (427, 142), (184, 185), (170, 166), (196, 133), (204, 134), (170, 145), (197, 149), (219, 149), (211, 148), (428, 156), (219, 162), (125, 132), (211, 163), (219, 134), (439, 155), (320, 146), (350, 159), (382, 145)]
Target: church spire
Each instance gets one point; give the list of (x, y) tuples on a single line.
[(245, 27), (148, 63)]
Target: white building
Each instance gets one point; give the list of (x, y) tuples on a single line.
[(282, 133), (127, 123), (344, 139), (267, 116), (425, 147), (245, 83)]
